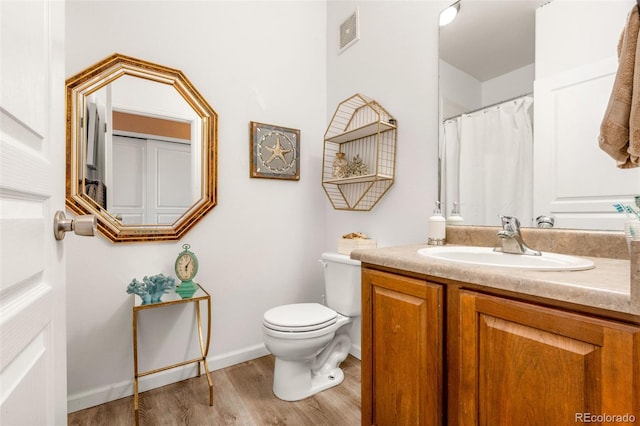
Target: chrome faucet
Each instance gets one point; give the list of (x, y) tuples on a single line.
[(510, 238), (545, 221)]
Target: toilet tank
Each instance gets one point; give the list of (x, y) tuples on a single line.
[(342, 283)]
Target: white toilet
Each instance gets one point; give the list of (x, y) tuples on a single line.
[(310, 340)]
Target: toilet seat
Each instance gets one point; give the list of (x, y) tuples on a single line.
[(299, 317)]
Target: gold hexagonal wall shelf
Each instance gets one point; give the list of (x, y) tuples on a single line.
[(364, 134)]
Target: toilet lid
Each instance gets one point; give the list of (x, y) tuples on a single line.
[(299, 317)]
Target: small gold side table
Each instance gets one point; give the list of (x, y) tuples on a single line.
[(200, 295)]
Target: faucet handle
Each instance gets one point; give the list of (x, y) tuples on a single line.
[(510, 223)]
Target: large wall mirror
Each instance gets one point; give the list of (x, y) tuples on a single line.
[(523, 89), (141, 150)]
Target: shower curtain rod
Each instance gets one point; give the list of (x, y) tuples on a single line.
[(488, 106)]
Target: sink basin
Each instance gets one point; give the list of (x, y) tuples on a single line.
[(487, 257)]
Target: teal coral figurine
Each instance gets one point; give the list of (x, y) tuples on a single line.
[(152, 288)]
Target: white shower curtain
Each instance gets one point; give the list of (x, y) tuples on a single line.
[(487, 163)]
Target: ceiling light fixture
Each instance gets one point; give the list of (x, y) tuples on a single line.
[(449, 14)]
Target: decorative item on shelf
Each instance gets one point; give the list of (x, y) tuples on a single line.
[(152, 288), (355, 240), (340, 165), (357, 167), (186, 268)]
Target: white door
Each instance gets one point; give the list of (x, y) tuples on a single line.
[(33, 370), (151, 180), (169, 175), (574, 180), (126, 185)]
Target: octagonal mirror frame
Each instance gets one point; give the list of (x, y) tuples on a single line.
[(92, 79)]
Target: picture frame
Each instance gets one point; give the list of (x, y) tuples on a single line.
[(274, 151)]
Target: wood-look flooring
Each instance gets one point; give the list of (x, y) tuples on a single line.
[(242, 395)]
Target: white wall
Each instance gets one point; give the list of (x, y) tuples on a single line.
[(260, 61), (274, 62), (510, 85), (575, 46), (396, 63), (460, 92)]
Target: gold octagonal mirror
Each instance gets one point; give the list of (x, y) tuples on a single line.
[(141, 150)]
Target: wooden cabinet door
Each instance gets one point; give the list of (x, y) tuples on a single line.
[(401, 350), (524, 364)]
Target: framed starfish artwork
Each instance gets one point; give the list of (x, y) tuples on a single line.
[(275, 152)]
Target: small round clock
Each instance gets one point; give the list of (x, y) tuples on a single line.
[(186, 268)]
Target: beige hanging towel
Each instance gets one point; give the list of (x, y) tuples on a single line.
[(620, 128)]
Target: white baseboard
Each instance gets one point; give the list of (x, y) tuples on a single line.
[(81, 400), (236, 357), (356, 351), (97, 396)]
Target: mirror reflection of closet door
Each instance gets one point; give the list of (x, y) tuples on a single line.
[(151, 180)]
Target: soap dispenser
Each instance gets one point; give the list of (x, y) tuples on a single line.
[(455, 218), (437, 227)]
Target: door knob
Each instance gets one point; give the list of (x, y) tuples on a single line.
[(81, 225)]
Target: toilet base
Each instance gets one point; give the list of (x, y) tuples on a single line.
[(293, 380), (308, 366)]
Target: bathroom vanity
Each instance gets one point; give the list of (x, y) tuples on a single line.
[(466, 345)]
